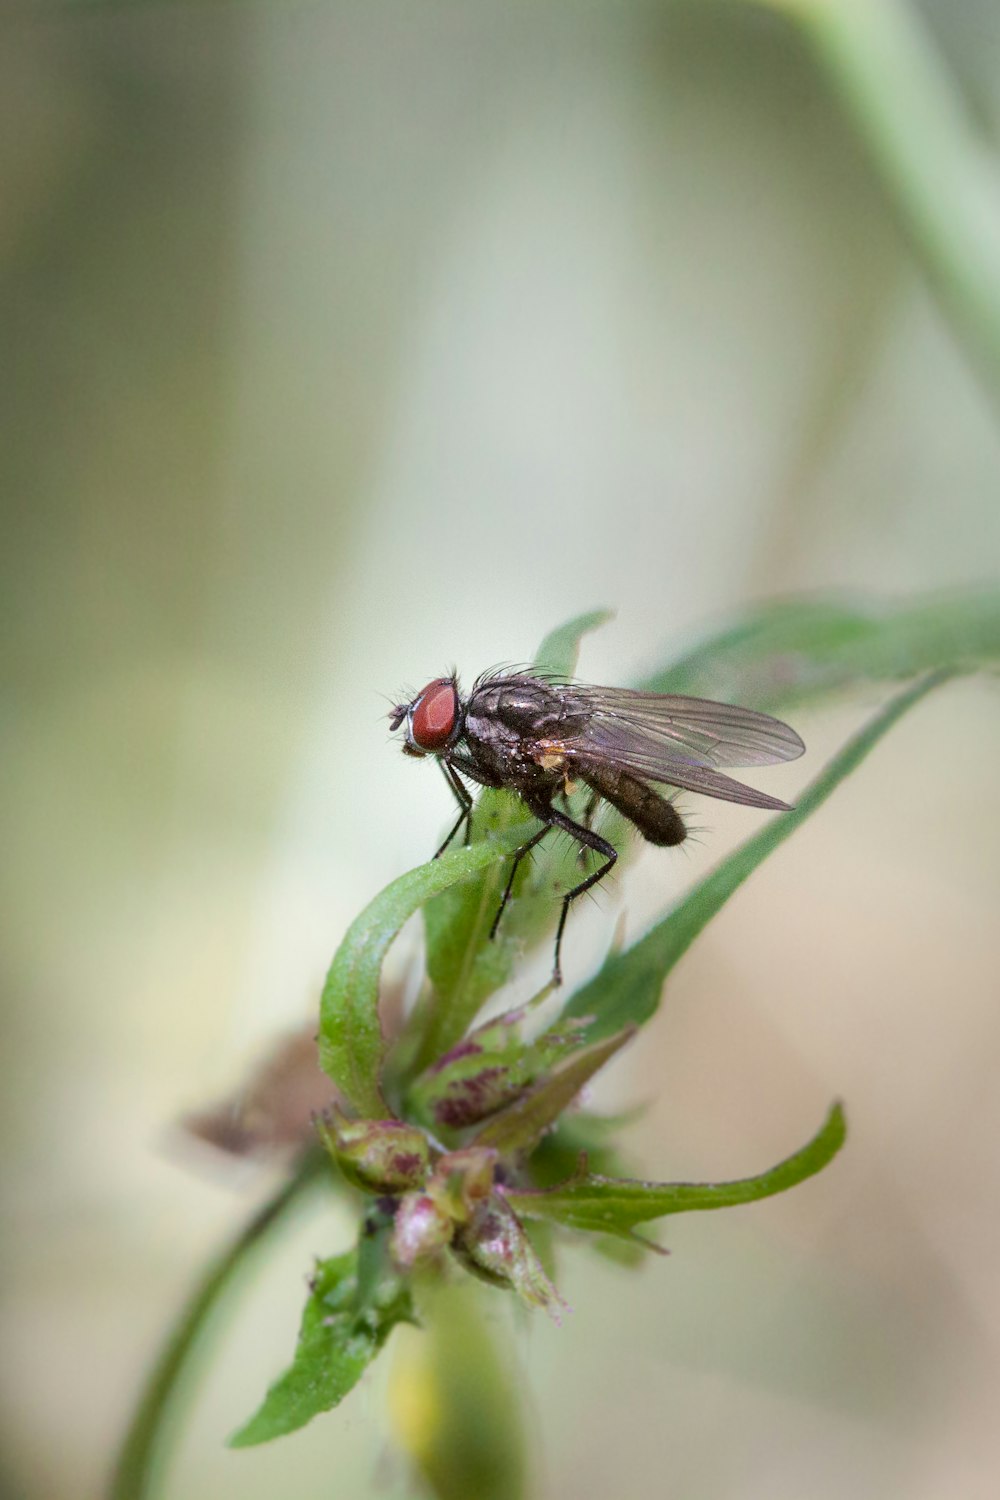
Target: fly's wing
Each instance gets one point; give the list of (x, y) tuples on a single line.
[(680, 741)]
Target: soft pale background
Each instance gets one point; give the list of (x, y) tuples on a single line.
[(342, 344)]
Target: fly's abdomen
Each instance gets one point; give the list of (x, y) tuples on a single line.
[(657, 820)]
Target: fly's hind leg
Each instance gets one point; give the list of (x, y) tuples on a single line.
[(591, 809), (588, 839), (589, 813), (586, 819), (536, 838)]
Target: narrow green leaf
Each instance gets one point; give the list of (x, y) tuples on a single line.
[(350, 1039), (519, 1128), (348, 1317), (557, 653), (807, 649), (465, 966), (626, 990), (606, 1205)]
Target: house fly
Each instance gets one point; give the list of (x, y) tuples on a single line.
[(537, 736)]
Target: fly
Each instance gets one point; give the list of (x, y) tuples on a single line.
[(538, 737)]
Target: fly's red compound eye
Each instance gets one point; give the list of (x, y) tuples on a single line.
[(434, 714)]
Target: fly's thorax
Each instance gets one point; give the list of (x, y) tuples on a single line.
[(529, 708), (513, 726), (493, 745)]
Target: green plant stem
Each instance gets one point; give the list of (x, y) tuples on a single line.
[(942, 179), (457, 1398), (140, 1457)]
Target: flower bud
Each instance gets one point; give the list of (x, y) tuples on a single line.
[(494, 1246), (385, 1157), (421, 1228), (476, 1078), (462, 1179)]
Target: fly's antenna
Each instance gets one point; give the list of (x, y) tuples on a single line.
[(398, 708)]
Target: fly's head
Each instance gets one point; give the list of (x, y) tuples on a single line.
[(433, 720)]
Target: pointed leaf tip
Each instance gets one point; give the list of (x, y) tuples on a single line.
[(558, 652), (349, 1315), (519, 1128), (608, 1205)]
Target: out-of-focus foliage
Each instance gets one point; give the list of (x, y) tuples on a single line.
[(807, 650), (885, 70), (454, 1401)]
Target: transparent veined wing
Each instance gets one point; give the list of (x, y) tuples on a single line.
[(680, 741)]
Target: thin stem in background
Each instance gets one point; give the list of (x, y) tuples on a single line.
[(139, 1463), (943, 180)]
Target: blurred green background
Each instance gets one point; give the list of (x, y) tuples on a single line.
[(342, 344)]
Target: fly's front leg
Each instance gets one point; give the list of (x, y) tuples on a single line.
[(464, 800), (590, 840), (452, 762)]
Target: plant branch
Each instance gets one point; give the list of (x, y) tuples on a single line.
[(942, 179), (139, 1460)]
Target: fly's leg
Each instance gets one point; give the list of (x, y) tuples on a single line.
[(587, 819), (590, 840), (536, 838), (590, 809), (464, 800), (588, 822)]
